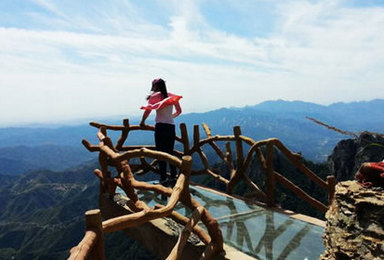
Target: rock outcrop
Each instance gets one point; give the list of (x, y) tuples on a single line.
[(355, 223), (349, 154)]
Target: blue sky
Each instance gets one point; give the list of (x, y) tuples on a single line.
[(72, 59)]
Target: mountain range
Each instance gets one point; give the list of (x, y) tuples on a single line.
[(42, 215), (46, 180), (54, 148), (43, 211)]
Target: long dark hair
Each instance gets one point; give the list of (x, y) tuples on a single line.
[(158, 85)]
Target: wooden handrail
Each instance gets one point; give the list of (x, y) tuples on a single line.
[(92, 245), (184, 234), (299, 192), (294, 160), (239, 146), (119, 155), (179, 218), (179, 192), (84, 248), (270, 180), (235, 174)]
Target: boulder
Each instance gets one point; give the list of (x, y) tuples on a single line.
[(355, 221)]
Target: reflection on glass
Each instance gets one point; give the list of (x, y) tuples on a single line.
[(261, 233)]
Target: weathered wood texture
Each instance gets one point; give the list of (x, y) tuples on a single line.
[(92, 245), (119, 156)]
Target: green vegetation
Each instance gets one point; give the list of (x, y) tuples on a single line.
[(42, 211), (42, 215)]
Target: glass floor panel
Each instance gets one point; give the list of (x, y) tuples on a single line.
[(254, 230), (270, 235)]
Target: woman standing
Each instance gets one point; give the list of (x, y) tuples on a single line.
[(163, 102)]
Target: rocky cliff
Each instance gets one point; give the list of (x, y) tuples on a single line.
[(355, 223), (349, 154)]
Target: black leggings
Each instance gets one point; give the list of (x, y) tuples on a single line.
[(165, 141)]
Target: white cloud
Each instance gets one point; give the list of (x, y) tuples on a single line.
[(320, 52), (329, 39)]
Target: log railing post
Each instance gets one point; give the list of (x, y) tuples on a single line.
[(229, 160), (93, 222), (184, 137), (186, 167), (123, 136), (270, 178), (331, 181), (103, 162), (184, 234), (196, 135), (239, 147), (207, 130)]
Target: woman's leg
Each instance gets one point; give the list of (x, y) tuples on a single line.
[(165, 135), (161, 145), (170, 148)]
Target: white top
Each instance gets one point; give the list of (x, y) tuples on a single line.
[(164, 115)]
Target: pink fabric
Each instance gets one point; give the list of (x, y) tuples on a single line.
[(156, 101)]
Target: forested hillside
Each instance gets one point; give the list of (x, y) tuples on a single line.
[(42, 215), (19, 159), (42, 208)]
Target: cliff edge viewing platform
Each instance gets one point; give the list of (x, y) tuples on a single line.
[(191, 221)]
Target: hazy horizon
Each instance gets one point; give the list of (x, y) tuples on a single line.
[(136, 117), (65, 60)]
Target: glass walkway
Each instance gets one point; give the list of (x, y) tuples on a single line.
[(254, 230)]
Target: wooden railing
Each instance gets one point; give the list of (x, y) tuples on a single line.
[(118, 156), (109, 156), (92, 245)]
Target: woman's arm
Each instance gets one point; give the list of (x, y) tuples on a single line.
[(145, 115), (178, 110)]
